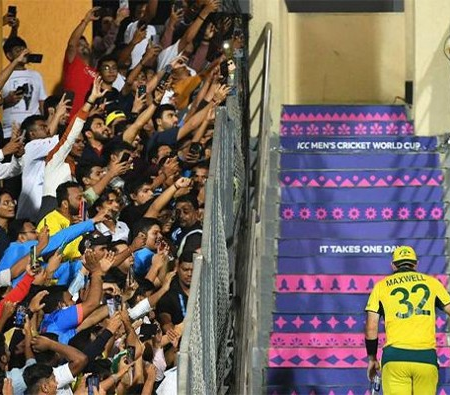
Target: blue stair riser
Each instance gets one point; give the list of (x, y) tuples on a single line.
[(360, 230), (360, 113), (332, 322), (348, 247), (362, 195), (355, 265), (361, 178), (365, 212), (308, 144), (342, 377), (366, 161), (343, 128)]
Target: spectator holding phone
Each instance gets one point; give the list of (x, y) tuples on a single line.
[(24, 92), (78, 71)]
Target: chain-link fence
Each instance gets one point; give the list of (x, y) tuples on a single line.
[(204, 361)]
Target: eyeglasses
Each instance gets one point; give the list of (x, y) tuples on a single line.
[(9, 203), (109, 68)]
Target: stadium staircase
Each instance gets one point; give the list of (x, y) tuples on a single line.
[(354, 183)]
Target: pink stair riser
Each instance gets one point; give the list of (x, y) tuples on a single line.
[(326, 340)]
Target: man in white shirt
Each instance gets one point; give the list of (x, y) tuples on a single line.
[(24, 92), (40, 143)]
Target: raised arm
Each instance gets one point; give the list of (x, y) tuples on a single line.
[(7, 71), (150, 10), (72, 44), (77, 360), (210, 7)]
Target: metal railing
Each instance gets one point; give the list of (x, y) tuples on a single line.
[(204, 359), (249, 362)]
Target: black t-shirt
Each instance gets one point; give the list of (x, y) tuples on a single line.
[(174, 302), (131, 214)]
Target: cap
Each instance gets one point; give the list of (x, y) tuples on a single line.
[(404, 254), (112, 116), (95, 239)]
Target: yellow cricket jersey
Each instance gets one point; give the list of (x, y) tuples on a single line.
[(407, 300), (56, 222)]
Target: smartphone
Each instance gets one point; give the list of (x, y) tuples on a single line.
[(70, 95), (20, 90), (141, 90), (124, 4), (155, 39), (178, 5), (34, 263), (82, 210), (34, 58), (111, 304), (141, 23), (62, 247), (166, 75), (12, 11), (118, 302), (224, 72), (131, 353), (195, 149), (93, 382), (125, 157), (19, 319)]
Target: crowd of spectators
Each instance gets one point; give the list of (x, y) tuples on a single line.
[(103, 194)]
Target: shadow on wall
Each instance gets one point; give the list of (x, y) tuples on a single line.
[(343, 58), (429, 88)]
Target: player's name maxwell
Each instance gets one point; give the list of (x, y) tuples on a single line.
[(405, 279)]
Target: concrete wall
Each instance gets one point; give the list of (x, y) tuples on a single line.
[(358, 58), (431, 67), (46, 26)]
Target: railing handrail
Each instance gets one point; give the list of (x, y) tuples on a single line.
[(264, 125)]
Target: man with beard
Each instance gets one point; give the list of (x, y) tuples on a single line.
[(78, 74), (97, 135), (188, 236), (68, 196), (111, 226)]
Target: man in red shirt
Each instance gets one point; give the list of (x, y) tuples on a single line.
[(78, 73)]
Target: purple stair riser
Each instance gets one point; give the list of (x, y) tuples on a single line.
[(361, 212), (360, 230), (355, 265), (358, 161), (331, 322), (311, 247), (399, 145), (362, 195), (320, 389), (362, 179)]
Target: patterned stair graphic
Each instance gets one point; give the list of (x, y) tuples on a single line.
[(345, 128), (331, 358), (367, 212), (350, 284), (362, 195), (308, 247), (320, 376), (334, 390), (367, 161), (331, 323), (362, 179), (376, 230), (355, 265), (360, 113), (326, 340)]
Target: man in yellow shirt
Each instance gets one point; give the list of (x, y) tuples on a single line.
[(407, 300)]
